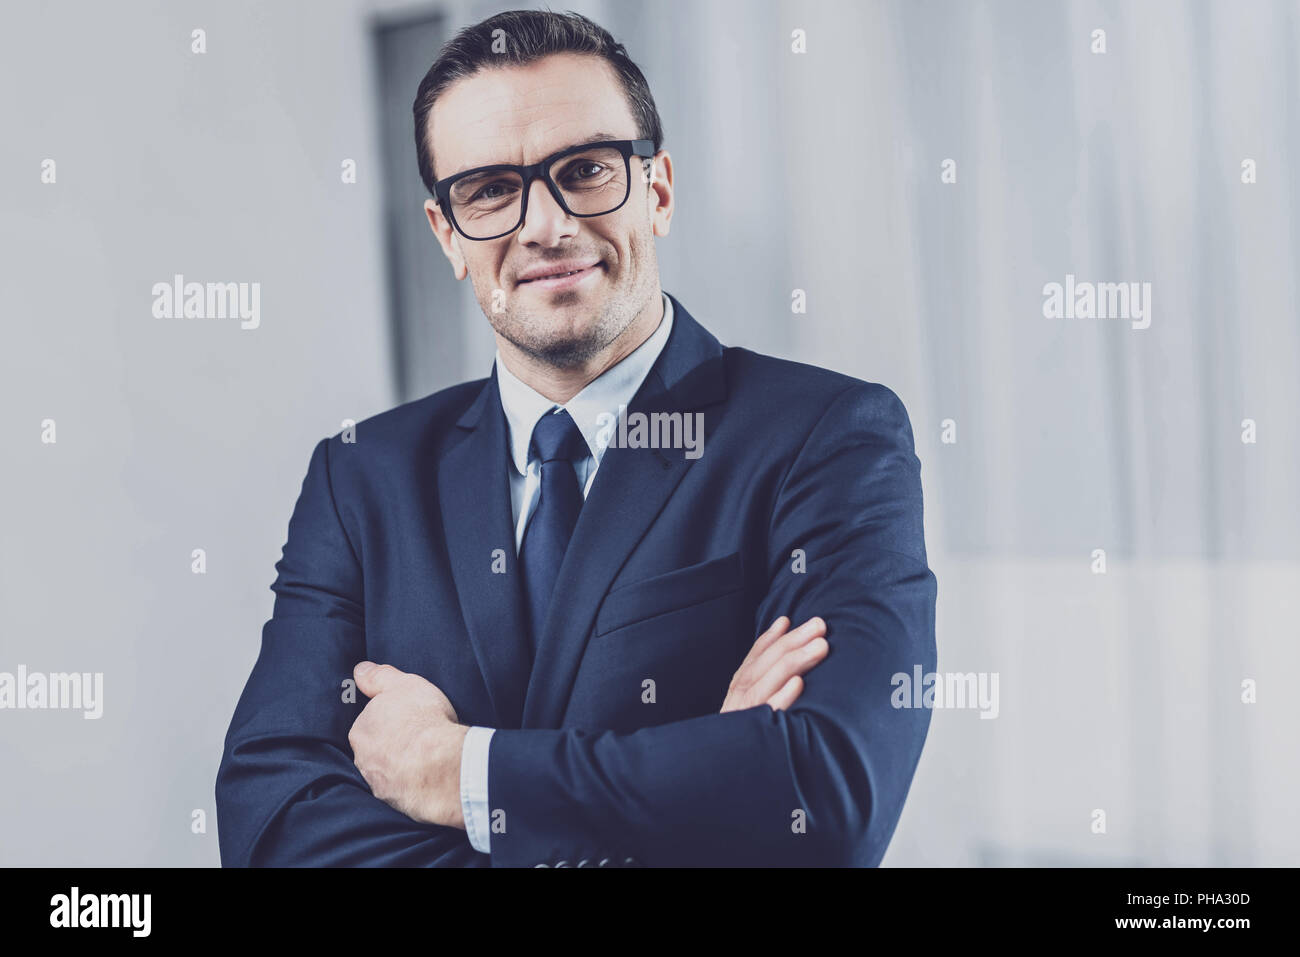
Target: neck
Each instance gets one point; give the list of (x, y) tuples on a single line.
[(562, 383)]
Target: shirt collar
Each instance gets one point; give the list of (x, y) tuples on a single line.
[(614, 387)]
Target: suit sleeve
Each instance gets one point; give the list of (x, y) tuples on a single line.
[(287, 791), (819, 784)]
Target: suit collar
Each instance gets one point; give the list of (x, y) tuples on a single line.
[(616, 386), (690, 366)]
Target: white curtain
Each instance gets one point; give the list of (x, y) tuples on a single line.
[(1119, 692)]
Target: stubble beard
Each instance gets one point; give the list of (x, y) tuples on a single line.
[(530, 332)]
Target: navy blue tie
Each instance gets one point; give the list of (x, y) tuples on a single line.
[(558, 442)]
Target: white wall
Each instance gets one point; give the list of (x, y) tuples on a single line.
[(171, 434)]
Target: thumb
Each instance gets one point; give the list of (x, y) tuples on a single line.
[(371, 678)]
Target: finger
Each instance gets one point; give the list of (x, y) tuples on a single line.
[(814, 627), (788, 694), (796, 662), (750, 673), (371, 678), (762, 642), (774, 631)]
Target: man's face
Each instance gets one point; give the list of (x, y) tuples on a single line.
[(520, 114)]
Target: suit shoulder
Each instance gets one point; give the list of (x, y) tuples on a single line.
[(761, 381), (410, 428), (815, 412), (438, 410)]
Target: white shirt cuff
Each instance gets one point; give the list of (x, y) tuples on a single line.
[(474, 787)]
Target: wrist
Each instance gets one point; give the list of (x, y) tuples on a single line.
[(449, 776)]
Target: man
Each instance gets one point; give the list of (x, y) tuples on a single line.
[(552, 607)]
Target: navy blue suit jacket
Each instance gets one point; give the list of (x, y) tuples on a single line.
[(806, 501)]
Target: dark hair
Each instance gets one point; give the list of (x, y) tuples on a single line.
[(528, 35)]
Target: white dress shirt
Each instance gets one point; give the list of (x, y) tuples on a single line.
[(523, 406)]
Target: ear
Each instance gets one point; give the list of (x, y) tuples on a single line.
[(447, 237), (658, 172)]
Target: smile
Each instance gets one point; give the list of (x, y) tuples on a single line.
[(563, 280)]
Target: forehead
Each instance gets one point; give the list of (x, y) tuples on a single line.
[(518, 114)]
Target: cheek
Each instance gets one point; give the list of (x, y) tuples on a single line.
[(626, 255), (486, 279), (640, 242)]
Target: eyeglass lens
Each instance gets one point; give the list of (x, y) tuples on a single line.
[(592, 182)]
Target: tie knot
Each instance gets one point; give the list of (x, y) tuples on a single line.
[(557, 436)]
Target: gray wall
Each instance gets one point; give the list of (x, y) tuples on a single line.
[(819, 172)]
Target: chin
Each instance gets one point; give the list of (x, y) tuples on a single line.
[(568, 351)]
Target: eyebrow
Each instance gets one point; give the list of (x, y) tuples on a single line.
[(597, 137)]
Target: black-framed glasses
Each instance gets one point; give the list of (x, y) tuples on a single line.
[(590, 180)]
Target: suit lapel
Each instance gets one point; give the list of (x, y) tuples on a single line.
[(474, 493), (630, 489)]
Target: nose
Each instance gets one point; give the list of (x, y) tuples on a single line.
[(545, 221)]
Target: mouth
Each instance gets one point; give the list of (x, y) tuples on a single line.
[(564, 280)]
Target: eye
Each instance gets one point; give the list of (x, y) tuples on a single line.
[(584, 171), (486, 192)]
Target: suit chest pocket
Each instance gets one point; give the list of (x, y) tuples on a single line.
[(664, 648), (682, 588)]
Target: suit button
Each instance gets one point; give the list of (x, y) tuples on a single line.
[(603, 861), (541, 865), (561, 863), (629, 861), (583, 862)]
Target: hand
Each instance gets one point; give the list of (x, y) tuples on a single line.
[(770, 673), (407, 744)]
